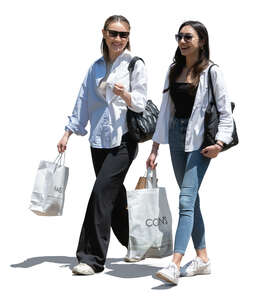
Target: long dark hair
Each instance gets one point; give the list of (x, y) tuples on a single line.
[(179, 60), (112, 19)]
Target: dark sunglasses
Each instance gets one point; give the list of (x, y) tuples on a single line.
[(187, 37), (114, 34)]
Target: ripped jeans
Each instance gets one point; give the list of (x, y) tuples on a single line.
[(189, 169)]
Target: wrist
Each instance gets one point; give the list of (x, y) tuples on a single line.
[(218, 147), (67, 133), (220, 143), (126, 97), (154, 148)]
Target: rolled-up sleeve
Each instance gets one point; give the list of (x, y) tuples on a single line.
[(80, 115), (138, 87), (226, 124)]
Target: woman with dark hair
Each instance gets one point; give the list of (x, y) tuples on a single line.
[(104, 98), (181, 125)]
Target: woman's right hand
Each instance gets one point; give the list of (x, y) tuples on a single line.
[(150, 163), (61, 146)]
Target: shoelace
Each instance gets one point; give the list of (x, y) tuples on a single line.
[(193, 264)]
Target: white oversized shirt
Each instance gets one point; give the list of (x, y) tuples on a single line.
[(195, 128)]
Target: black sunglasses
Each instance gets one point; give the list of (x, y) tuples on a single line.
[(114, 34), (187, 37)]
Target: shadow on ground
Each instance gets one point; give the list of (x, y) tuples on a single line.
[(113, 267), (64, 261)]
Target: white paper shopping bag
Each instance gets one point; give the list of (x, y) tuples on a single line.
[(150, 222), (47, 198)]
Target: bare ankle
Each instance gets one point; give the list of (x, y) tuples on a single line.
[(177, 263), (204, 258)]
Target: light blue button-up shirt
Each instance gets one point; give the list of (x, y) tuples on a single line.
[(107, 116)]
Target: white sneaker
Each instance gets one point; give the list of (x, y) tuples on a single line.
[(83, 269), (133, 259), (170, 274), (196, 267)]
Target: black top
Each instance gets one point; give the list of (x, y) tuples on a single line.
[(183, 95)]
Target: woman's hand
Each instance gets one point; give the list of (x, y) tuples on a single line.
[(119, 90), (61, 146), (150, 163), (211, 151)]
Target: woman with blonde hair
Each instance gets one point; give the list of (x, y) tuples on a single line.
[(104, 98)]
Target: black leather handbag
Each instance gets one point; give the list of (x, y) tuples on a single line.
[(141, 126), (212, 118)]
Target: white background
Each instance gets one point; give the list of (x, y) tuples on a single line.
[(46, 49)]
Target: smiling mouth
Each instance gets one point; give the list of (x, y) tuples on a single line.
[(116, 44)]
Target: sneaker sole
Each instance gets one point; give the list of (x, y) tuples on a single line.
[(165, 278), (133, 259), (195, 274), (80, 273)]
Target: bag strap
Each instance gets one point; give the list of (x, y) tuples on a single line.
[(212, 90), (131, 67), (211, 84)]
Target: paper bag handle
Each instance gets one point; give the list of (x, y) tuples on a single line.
[(59, 161), (152, 177), (59, 158)]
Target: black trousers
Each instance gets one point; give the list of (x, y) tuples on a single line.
[(107, 205)]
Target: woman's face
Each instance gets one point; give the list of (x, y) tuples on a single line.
[(188, 41), (116, 37)]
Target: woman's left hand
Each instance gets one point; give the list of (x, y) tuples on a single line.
[(119, 89), (211, 151)]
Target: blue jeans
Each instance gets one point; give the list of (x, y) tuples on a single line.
[(189, 169)]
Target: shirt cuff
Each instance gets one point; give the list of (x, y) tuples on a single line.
[(223, 138), (76, 127)]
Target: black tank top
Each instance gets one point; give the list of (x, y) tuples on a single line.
[(183, 95)]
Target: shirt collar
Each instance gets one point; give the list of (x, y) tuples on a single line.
[(125, 53)]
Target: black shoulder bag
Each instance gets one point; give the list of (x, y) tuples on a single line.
[(141, 126), (212, 119)]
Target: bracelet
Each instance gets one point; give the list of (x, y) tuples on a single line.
[(219, 145)]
